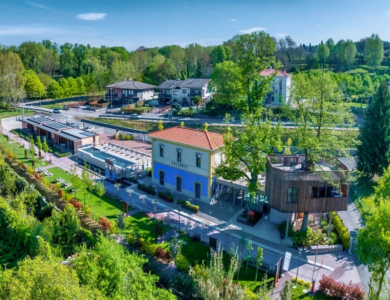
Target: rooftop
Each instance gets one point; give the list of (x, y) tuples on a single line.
[(195, 83), (269, 72), (131, 85), (192, 137)]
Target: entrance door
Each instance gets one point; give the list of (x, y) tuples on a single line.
[(162, 178), (197, 190), (178, 184)]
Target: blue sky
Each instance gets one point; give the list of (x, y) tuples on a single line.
[(152, 23)]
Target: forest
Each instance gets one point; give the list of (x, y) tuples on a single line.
[(46, 69)]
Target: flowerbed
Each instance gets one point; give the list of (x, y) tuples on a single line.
[(167, 196), (188, 205), (340, 290), (148, 189)]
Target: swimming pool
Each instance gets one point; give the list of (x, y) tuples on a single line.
[(103, 155)]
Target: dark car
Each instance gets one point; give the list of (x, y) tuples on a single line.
[(56, 111)]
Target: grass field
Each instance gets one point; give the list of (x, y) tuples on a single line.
[(358, 105), (4, 113)]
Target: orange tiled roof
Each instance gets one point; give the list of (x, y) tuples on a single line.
[(269, 72), (188, 136)]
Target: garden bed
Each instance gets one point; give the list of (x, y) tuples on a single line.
[(249, 218), (147, 189), (167, 196)]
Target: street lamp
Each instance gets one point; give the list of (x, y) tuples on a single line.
[(155, 201), (130, 191), (299, 261), (142, 198)]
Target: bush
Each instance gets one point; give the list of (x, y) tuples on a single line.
[(87, 210), (302, 238), (148, 171), (301, 281), (160, 253), (282, 228), (60, 193), (77, 205), (182, 263), (149, 247), (105, 223), (340, 290), (148, 189), (140, 241), (196, 237), (168, 256), (333, 239), (307, 284), (294, 279), (36, 175), (24, 166), (188, 205), (167, 196), (341, 230)]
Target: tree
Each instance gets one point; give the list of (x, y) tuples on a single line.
[(31, 54), (286, 293), (349, 51), (182, 124), (197, 101), (31, 150), (160, 125), (249, 248), (330, 43), (80, 86), (55, 90), (373, 51), (220, 54), (245, 158), (287, 150), (373, 244), (319, 108), (45, 79), (75, 179), (227, 82), (255, 52), (100, 190), (213, 282), (323, 54), (175, 245), (39, 145), (177, 55), (30, 281), (120, 222), (45, 146), (259, 260), (33, 86), (374, 149), (64, 83), (86, 179)]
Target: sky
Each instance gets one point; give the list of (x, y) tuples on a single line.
[(152, 23)]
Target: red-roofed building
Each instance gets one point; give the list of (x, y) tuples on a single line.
[(280, 87), (183, 160)]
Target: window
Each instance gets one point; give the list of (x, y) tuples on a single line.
[(174, 92), (184, 91), (292, 195), (125, 92), (327, 192), (161, 150), (178, 156), (198, 161), (131, 92)]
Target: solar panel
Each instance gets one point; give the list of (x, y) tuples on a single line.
[(39, 120), (86, 133), (57, 126)]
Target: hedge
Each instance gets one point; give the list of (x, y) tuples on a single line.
[(167, 196), (341, 230), (340, 290), (62, 154)]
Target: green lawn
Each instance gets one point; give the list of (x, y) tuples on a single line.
[(5, 113), (298, 294), (141, 226), (358, 105)]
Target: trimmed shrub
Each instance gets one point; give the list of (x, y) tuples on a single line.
[(60, 193), (340, 290), (148, 189), (148, 171), (36, 175), (341, 230), (188, 205), (77, 205), (105, 223), (62, 154), (87, 210), (168, 256), (149, 247), (182, 263)]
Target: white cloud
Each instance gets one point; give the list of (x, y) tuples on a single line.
[(234, 20), (92, 16), (253, 29), (30, 31)]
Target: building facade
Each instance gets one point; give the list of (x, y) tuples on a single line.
[(184, 91), (130, 91), (183, 160), (294, 187), (281, 85)]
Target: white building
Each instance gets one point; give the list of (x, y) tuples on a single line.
[(184, 91), (183, 160), (280, 87)]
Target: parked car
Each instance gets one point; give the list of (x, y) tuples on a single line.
[(80, 127), (56, 111), (70, 124), (89, 128), (135, 116)]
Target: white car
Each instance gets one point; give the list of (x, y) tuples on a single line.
[(80, 127), (135, 116), (89, 128)]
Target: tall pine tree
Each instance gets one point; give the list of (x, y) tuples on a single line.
[(374, 150)]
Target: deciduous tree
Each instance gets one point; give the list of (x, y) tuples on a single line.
[(373, 51)]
